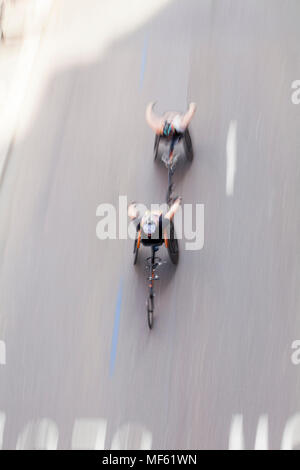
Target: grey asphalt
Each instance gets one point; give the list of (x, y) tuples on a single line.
[(227, 316)]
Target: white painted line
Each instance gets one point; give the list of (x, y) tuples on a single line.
[(47, 435), (2, 424), (291, 433), (262, 434), (40, 435), (231, 158), (89, 434), (2, 353), (132, 436), (236, 436), (146, 441)]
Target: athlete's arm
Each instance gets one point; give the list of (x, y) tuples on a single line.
[(173, 209), (135, 215), (187, 117), (156, 123)]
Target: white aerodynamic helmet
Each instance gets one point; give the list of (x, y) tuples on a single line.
[(149, 224)]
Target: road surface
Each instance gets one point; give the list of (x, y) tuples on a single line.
[(81, 368)]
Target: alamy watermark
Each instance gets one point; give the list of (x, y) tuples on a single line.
[(115, 224), (295, 97), (295, 357)]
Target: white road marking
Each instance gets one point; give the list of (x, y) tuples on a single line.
[(262, 434), (47, 435), (236, 436), (146, 441), (132, 436), (2, 353), (2, 424), (89, 434), (39, 435), (231, 158), (291, 433)]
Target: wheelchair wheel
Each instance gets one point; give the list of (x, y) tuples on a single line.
[(150, 309), (135, 251), (188, 146), (156, 146), (173, 247)]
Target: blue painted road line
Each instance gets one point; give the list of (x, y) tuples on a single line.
[(144, 59), (114, 342)]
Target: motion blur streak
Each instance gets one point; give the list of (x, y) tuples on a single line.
[(15, 98), (227, 315), (114, 342), (86, 35), (144, 59)]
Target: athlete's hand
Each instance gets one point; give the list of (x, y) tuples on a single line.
[(132, 210), (150, 105), (177, 204)]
